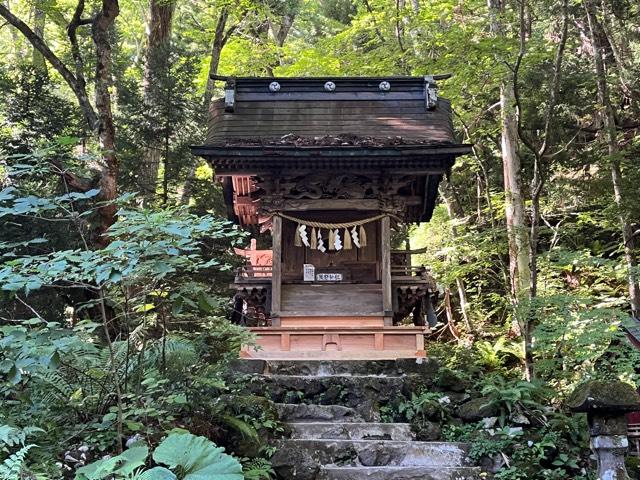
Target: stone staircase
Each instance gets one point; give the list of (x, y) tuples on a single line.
[(332, 410)]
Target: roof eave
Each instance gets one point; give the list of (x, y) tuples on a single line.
[(212, 151)]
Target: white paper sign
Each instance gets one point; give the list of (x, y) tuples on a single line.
[(309, 272)]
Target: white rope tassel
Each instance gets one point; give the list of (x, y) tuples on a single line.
[(355, 239), (321, 246), (337, 241), (304, 236)]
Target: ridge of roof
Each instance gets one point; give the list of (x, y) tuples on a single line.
[(421, 78)]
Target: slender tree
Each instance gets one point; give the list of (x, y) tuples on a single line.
[(608, 119), (222, 34), (518, 237), (100, 118), (158, 30)]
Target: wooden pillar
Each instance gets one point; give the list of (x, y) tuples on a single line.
[(385, 260), (276, 275)]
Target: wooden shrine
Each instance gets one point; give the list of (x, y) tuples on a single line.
[(330, 167)]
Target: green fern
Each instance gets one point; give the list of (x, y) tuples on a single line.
[(257, 469), (194, 457), (240, 426), (13, 466)]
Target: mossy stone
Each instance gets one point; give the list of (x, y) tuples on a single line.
[(477, 409), (448, 379), (604, 396)]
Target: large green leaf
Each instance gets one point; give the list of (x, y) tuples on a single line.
[(123, 465), (157, 473), (199, 458)]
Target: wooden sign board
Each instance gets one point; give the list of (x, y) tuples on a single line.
[(329, 277)]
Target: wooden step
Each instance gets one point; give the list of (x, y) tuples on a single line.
[(337, 343)]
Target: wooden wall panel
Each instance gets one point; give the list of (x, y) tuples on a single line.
[(294, 257), (332, 299)]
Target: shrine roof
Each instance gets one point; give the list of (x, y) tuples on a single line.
[(330, 113)]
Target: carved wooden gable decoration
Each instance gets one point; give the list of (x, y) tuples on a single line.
[(277, 143)]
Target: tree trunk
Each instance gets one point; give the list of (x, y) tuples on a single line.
[(77, 84), (455, 211), (514, 201), (219, 41), (39, 22), (99, 119), (519, 269), (517, 233), (609, 129), (454, 207), (106, 129), (279, 35), (155, 70)]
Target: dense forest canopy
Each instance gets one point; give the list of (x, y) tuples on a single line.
[(115, 255)]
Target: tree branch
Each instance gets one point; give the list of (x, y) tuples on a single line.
[(555, 86), (77, 21), (74, 83)]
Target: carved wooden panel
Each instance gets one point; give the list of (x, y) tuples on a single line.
[(329, 185)]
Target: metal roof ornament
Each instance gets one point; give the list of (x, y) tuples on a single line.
[(274, 87), (329, 86), (230, 95), (384, 86), (430, 92)]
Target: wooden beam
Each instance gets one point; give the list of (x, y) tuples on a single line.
[(331, 204), (385, 260), (253, 170), (276, 275), (341, 204)]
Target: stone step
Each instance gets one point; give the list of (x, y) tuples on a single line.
[(364, 394), (351, 431), (323, 368), (399, 473), (376, 453), (291, 412), (332, 388), (320, 368)]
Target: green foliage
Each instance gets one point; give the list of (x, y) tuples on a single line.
[(13, 466), (524, 453), (257, 469), (187, 457), (163, 280), (120, 466), (529, 439), (140, 346), (425, 406), (520, 402), (14, 451), (494, 356), (197, 457), (633, 467)]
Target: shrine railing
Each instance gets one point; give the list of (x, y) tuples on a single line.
[(253, 273), (408, 271)]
